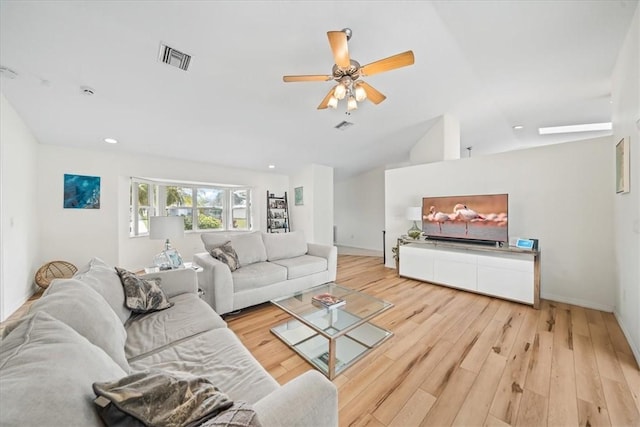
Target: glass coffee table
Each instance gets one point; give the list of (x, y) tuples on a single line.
[(331, 338)]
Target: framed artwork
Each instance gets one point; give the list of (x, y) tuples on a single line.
[(622, 166), (299, 196), (168, 260), (175, 260), (81, 192)]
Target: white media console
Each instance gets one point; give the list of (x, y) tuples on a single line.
[(508, 273)]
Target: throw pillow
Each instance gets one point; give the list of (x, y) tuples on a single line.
[(226, 254), (142, 296), (159, 398)]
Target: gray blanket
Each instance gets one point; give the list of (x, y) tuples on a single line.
[(163, 399)]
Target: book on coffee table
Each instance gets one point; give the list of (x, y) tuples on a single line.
[(328, 300), (324, 359)]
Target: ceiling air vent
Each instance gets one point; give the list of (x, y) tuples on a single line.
[(174, 57), (343, 125)]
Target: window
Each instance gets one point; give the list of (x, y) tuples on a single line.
[(203, 207)]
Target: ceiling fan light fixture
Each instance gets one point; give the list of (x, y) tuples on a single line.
[(346, 72), (360, 93), (351, 103)]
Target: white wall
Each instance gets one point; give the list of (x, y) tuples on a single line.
[(323, 204), (561, 194), (302, 215), (359, 210), (441, 142), (76, 235), (19, 205), (626, 207), (315, 215)]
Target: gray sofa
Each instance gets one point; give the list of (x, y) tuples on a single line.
[(271, 265), (80, 332)]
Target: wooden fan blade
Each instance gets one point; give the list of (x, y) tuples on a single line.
[(325, 102), (339, 47), (387, 64), (308, 78), (372, 94)]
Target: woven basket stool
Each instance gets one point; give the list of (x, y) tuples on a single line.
[(54, 270)]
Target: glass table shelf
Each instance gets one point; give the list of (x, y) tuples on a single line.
[(331, 338)]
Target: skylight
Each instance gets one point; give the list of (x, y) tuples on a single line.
[(589, 127)]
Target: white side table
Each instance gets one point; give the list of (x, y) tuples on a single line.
[(193, 266), (197, 269)]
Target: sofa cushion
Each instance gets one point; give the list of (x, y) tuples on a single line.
[(302, 265), (142, 296), (284, 245), (256, 275), (77, 305), (46, 373), (248, 246), (219, 356), (150, 332), (225, 253), (104, 279)]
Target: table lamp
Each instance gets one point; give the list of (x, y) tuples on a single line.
[(166, 228), (414, 214)]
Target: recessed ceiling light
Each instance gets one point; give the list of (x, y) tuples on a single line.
[(588, 127), (272, 166), (518, 127), (110, 141)]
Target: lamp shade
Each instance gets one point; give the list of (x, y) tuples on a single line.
[(340, 91), (414, 213), (360, 93), (166, 227), (351, 103)]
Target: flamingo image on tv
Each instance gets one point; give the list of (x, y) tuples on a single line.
[(483, 217)]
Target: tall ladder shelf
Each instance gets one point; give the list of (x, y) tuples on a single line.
[(278, 213)]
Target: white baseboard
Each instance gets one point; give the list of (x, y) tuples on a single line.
[(634, 346), (353, 250), (577, 301)]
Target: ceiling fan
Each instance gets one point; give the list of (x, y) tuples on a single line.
[(347, 73)]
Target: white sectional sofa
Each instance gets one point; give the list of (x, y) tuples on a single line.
[(81, 332), (271, 265)]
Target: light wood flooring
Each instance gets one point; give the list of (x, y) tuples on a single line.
[(463, 359)]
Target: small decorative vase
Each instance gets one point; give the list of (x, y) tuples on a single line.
[(414, 232)]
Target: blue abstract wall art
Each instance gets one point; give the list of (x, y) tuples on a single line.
[(81, 192)]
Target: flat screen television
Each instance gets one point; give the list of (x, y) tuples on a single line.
[(482, 218)]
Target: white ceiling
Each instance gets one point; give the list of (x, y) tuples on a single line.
[(491, 64)]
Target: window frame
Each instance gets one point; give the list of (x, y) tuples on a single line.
[(158, 204)]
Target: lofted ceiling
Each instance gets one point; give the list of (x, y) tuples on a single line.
[(490, 64)]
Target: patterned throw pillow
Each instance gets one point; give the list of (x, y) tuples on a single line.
[(225, 253), (142, 296)]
